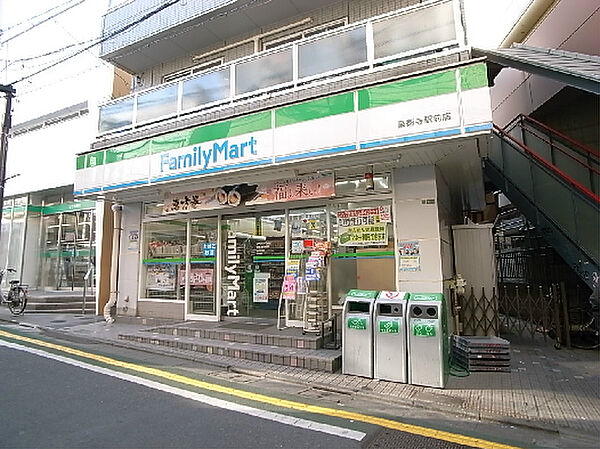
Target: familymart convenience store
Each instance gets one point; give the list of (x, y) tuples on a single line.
[(302, 202)]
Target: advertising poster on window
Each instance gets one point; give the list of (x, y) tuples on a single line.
[(160, 277), (410, 256), (261, 287), (364, 227), (198, 277)]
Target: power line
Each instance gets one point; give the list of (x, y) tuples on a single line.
[(61, 49), (103, 39), (35, 17), (42, 21)]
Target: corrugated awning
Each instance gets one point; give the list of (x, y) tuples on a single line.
[(574, 69)]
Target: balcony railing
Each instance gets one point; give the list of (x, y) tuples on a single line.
[(402, 35)]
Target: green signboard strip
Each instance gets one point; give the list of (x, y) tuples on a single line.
[(473, 76), (68, 207), (315, 109), (407, 90), (220, 130)]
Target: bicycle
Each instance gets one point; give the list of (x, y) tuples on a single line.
[(16, 296)]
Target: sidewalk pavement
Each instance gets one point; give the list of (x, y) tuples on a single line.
[(547, 389)]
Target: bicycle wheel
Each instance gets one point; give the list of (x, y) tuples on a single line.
[(17, 301)]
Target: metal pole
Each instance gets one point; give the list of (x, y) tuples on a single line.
[(9, 93)]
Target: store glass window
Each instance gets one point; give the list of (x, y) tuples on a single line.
[(16, 238), (164, 259), (203, 259), (362, 238)]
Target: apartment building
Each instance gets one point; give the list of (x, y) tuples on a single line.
[(275, 154)]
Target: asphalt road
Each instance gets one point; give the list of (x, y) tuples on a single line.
[(53, 397), (49, 404)]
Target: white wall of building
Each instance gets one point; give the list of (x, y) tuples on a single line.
[(568, 25)]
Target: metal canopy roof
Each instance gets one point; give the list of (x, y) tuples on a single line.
[(574, 69)]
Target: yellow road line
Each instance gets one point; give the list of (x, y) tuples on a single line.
[(293, 405)]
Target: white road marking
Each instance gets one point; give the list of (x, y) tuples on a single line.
[(271, 416)]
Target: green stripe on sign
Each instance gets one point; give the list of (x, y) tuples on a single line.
[(407, 90), (221, 130), (310, 110), (68, 207), (129, 151), (473, 76), (94, 159), (80, 162)]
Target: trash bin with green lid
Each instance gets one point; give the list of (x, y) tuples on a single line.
[(389, 335), (357, 333), (427, 340)]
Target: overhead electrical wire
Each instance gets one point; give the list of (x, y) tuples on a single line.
[(29, 19), (41, 22), (103, 39)]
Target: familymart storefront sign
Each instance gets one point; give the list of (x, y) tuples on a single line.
[(448, 103)]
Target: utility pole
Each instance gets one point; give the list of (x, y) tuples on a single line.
[(9, 92)]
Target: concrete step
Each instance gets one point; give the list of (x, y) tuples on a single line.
[(54, 298), (314, 359), (60, 307), (270, 337)]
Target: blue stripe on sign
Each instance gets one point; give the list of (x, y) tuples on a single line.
[(315, 153), (212, 170), (380, 143), (125, 184), (92, 190), (77, 192), (483, 127)]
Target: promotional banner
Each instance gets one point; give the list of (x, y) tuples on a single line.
[(299, 188), (364, 227)]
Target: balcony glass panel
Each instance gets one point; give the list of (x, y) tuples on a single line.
[(116, 115), (333, 52), (263, 72), (205, 89), (157, 103), (414, 30)]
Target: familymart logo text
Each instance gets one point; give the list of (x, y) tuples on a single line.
[(218, 153)]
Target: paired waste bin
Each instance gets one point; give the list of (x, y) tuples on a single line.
[(427, 340), (396, 336), (390, 349), (357, 333)]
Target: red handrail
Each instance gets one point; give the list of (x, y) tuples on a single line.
[(551, 167), (561, 135), (562, 151)]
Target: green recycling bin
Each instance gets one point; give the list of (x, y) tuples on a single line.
[(357, 333), (427, 340), (389, 335)]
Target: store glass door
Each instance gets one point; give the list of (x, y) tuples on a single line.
[(253, 264), (203, 258)]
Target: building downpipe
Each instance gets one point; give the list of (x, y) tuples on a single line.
[(114, 265)]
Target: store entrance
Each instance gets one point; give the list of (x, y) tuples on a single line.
[(253, 264)]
